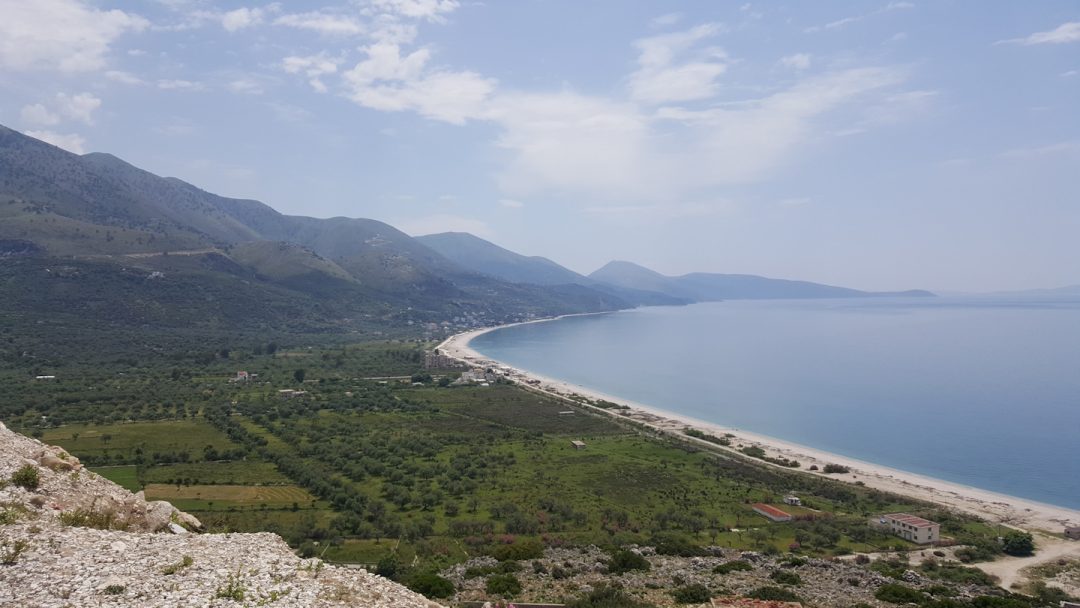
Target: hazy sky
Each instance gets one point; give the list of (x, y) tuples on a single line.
[(881, 145)]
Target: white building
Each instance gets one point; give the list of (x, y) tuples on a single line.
[(910, 527)]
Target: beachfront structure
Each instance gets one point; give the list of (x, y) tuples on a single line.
[(578, 445), (771, 512), (792, 500), (1072, 532), (909, 527)]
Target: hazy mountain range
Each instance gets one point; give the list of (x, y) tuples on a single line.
[(94, 237)]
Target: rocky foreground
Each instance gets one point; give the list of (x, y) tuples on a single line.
[(69, 537)]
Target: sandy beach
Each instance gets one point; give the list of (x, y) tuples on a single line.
[(994, 507)]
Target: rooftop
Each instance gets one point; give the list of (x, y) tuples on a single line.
[(771, 510), (918, 522)]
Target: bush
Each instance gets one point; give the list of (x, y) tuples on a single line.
[(735, 566), (625, 561), (899, 594), (431, 585), (786, 577), (670, 544), (387, 567), (607, 596), (773, 594), (26, 477), (1018, 543), (503, 584), (836, 468), (692, 594), (525, 549)]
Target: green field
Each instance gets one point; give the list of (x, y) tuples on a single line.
[(123, 475), (241, 472), (124, 439)]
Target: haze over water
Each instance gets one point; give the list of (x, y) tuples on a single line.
[(979, 391)]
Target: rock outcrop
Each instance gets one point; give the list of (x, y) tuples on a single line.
[(69, 537)]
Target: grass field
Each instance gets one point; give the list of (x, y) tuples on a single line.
[(240, 472), (226, 495), (125, 476), (190, 436)]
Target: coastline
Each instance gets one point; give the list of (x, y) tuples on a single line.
[(995, 507)]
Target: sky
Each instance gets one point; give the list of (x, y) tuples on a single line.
[(878, 145)]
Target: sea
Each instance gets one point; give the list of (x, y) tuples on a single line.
[(981, 391)]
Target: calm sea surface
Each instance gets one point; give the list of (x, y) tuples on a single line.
[(979, 391)]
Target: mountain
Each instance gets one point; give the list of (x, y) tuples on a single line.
[(704, 287), (95, 243), (485, 257), (475, 253)]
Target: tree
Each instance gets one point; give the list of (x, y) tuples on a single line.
[(299, 375), (1018, 543)]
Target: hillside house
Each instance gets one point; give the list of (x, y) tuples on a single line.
[(910, 527), (578, 445), (1072, 532), (771, 512), (794, 501)]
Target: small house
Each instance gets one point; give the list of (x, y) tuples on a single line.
[(771, 512), (792, 500), (45, 378), (909, 527), (1072, 532), (578, 445)]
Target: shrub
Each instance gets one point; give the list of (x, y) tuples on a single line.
[(836, 468), (607, 596), (431, 585), (387, 567), (786, 577), (233, 589), (1018, 543), (899, 594), (692, 594), (100, 520), (773, 594), (734, 566), (625, 561), (503, 584), (114, 589), (862, 560), (10, 554), (670, 544), (525, 549), (26, 477), (178, 566)]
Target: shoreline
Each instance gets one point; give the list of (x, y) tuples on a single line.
[(995, 507)]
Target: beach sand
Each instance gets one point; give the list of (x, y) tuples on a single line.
[(994, 507)]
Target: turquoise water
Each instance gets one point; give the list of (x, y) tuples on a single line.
[(979, 391)]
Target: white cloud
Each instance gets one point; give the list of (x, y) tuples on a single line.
[(242, 18), (180, 85), (313, 66), (68, 141), (660, 79), (1064, 33), (328, 24), (123, 77), (839, 23), (79, 107), (1064, 147), (387, 81), (667, 20), (511, 203), (798, 61), (65, 35), (442, 222), (38, 114), (432, 10), (1069, 73), (246, 86)]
